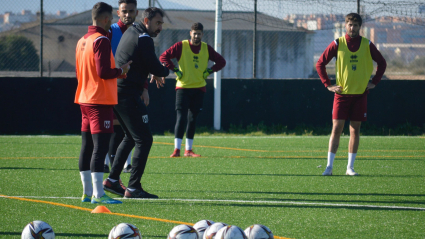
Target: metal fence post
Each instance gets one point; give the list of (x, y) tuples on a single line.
[(217, 75), (40, 64)]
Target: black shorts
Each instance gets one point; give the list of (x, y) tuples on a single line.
[(191, 99)]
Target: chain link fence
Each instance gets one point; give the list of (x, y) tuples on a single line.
[(290, 34)]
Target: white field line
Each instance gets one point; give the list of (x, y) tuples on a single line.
[(221, 137), (250, 202)]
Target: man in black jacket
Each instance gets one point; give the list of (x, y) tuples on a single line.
[(137, 45)]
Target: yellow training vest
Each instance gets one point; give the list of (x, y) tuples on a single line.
[(193, 66), (353, 69)]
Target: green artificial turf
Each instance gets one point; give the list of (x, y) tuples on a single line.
[(275, 181)]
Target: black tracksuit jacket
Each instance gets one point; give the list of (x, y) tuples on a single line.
[(138, 46)]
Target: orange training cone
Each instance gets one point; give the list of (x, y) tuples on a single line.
[(100, 209)]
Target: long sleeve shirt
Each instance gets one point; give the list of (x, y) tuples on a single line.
[(175, 51), (124, 28), (138, 46), (353, 45), (102, 55)]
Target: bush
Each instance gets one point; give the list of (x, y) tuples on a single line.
[(17, 53)]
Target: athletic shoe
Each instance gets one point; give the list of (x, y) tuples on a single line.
[(351, 172), (328, 171), (104, 199), (117, 188), (127, 169), (176, 153), (139, 193), (106, 168), (85, 198), (190, 153)]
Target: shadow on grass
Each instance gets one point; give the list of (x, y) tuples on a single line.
[(50, 169), (81, 235)]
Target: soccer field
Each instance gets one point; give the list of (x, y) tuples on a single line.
[(274, 181)]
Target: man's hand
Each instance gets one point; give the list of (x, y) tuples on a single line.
[(335, 88), (160, 81), (370, 86), (207, 72), (145, 96), (178, 73), (126, 67)]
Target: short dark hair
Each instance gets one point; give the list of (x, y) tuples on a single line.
[(197, 26), (151, 12), (127, 2), (99, 9), (353, 17)]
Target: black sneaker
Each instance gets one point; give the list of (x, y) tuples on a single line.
[(106, 169), (127, 169), (117, 188), (138, 193)]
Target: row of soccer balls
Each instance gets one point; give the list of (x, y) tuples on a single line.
[(205, 229)]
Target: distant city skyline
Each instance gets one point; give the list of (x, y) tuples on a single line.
[(75, 6), (279, 9)]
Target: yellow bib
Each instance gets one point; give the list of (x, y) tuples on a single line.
[(193, 66), (353, 69)]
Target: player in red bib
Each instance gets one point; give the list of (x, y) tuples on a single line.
[(96, 94), (354, 55)]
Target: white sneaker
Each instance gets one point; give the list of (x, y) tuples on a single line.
[(351, 172), (328, 171)]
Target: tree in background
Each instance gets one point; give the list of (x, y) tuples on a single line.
[(17, 53)]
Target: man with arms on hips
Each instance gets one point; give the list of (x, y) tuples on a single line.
[(136, 45), (193, 56), (127, 13), (96, 94), (354, 55)]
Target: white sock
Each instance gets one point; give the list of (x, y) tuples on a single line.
[(97, 184), (107, 160), (351, 158), (128, 159), (112, 180), (87, 184), (331, 157), (189, 143), (177, 143)]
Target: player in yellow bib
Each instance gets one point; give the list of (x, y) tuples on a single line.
[(354, 55), (192, 56)]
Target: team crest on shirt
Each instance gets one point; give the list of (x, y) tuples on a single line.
[(354, 67), (145, 119), (107, 124)]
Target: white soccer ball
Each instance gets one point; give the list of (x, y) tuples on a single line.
[(38, 229), (183, 232), (258, 231), (124, 230), (201, 226), (212, 230), (230, 232)]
